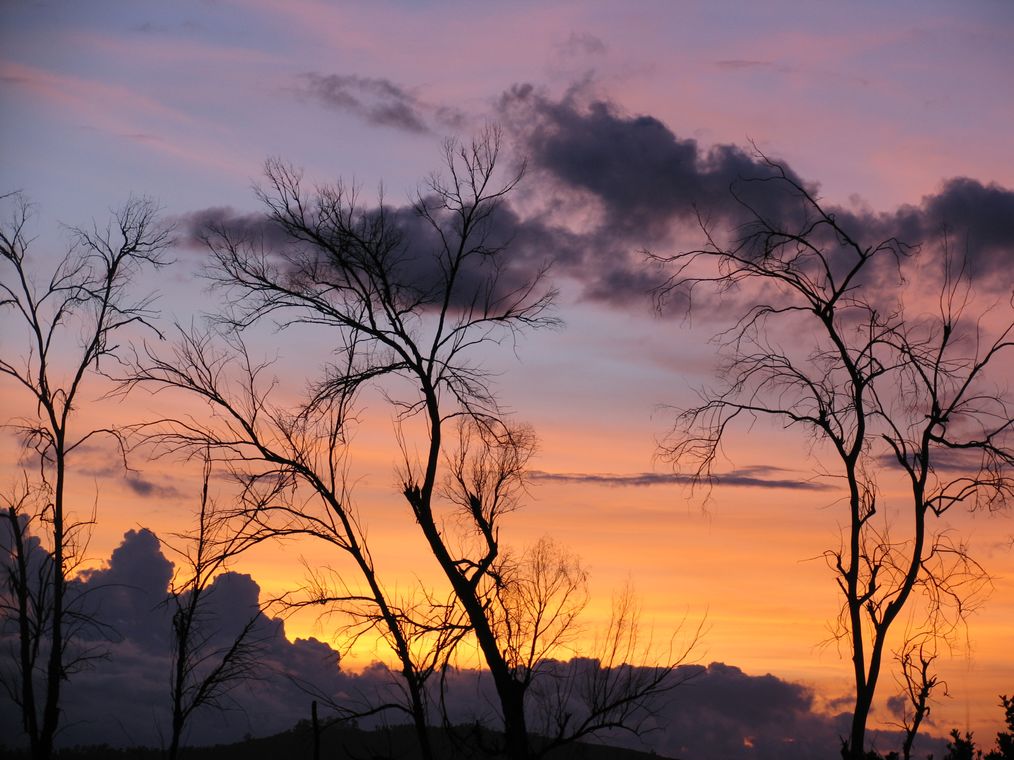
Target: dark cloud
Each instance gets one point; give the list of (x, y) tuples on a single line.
[(645, 181), (196, 226), (979, 220), (636, 185), (747, 478), (642, 181), (142, 486), (645, 176), (123, 698), (417, 265), (726, 713), (126, 595), (648, 185), (378, 101), (715, 711)]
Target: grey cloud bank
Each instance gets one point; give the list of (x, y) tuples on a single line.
[(642, 186), (716, 711)]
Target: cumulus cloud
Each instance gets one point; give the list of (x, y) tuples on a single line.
[(974, 220), (716, 711), (122, 698), (645, 177), (713, 711)]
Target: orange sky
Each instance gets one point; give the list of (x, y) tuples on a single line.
[(878, 104), (746, 561)]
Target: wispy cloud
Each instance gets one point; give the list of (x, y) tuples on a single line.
[(377, 101), (737, 64), (746, 478), (582, 44)]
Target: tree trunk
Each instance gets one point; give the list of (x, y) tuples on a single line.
[(54, 669)]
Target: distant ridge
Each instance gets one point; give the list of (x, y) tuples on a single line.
[(339, 743)]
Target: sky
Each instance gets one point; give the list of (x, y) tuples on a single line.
[(628, 115)]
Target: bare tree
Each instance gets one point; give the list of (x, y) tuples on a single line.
[(70, 322), (918, 682), (400, 306), (888, 394), (616, 686), (206, 663), (534, 602), (290, 466), (24, 605), (411, 297)]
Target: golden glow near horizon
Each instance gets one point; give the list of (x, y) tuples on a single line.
[(745, 561)]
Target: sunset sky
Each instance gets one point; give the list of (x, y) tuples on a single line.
[(879, 104)]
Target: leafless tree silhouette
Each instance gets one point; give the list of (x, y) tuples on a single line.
[(888, 393), (534, 601), (918, 682), (71, 320), (290, 466), (410, 299), (399, 308), (207, 662)]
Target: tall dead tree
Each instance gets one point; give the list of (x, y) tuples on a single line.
[(63, 326), (409, 293), (824, 344), (409, 297)]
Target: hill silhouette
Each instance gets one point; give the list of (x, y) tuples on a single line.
[(348, 742)]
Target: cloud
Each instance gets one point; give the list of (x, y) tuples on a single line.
[(582, 44), (256, 228), (716, 711), (103, 463), (612, 185), (378, 101), (738, 64), (745, 478), (416, 265), (646, 186), (123, 698), (645, 177), (976, 219), (142, 486), (638, 183)]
